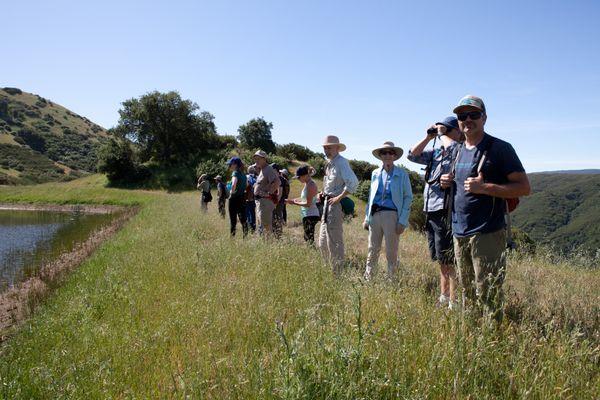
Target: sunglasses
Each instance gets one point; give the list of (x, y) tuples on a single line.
[(474, 115), (387, 153)]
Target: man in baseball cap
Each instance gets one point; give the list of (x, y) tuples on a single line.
[(266, 193), (487, 171)]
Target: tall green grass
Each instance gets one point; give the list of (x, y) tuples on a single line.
[(172, 307)]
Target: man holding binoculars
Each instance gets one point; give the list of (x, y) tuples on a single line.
[(439, 161)]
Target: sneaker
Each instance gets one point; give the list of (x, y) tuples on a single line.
[(453, 305), (443, 300)]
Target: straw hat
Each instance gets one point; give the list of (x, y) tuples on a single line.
[(388, 146), (332, 140)]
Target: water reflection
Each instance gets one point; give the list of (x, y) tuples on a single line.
[(30, 238)]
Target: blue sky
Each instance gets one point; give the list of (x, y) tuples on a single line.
[(365, 71)]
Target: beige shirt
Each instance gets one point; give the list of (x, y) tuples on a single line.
[(339, 177), (267, 182)]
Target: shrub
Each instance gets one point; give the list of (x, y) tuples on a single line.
[(212, 168), (12, 91), (416, 220), (295, 151), (362, 191), (362, 169), (116, 161), (318, 163), (282, 162)]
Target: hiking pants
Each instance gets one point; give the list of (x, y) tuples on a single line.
[(278, 220), (331, 238), (221, 205), (481, 267), (237, 209), (251, 214), (383, 225), (309, 223)]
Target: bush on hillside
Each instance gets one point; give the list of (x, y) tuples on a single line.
[(256, 133), (12, 91), (362, 169), (293, 151), (168, 129), (318, 163), (416, 220), (362, 191), (115, 159), (212, 168)]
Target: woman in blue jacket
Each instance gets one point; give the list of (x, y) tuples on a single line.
[(388, 208)]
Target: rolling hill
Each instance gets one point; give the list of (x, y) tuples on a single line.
[(563, 210), (41, 141)]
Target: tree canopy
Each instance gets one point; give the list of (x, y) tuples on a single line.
[(256, 134), (167, 128)]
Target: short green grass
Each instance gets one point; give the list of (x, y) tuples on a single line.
[(172, 307)]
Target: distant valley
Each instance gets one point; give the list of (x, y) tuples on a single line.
[(563, 210)]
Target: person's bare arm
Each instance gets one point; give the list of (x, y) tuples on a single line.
[(234, 181), (419, 147)]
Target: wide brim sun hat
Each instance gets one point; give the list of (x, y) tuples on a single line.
[(332, 140), (388, 146)]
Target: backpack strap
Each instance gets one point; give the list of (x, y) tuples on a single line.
[(450, 193)]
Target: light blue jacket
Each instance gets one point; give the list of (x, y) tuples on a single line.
[(401, 193)]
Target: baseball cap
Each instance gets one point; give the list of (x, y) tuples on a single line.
[(449, 122), (234, 160), (469, 101)]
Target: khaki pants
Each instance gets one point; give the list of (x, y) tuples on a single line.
[(264, 213), (481, 267), (383, 225), (331, 238)]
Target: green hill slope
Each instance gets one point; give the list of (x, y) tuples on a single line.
[(42, 141), (563, 210)]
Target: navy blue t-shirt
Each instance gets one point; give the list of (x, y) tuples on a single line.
[(474, 213)]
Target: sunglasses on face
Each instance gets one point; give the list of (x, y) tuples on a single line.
[(387, 153), (474, 115)]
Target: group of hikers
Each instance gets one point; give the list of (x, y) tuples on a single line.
[(472, 181)]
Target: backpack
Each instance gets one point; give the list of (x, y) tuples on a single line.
[(347, 206)]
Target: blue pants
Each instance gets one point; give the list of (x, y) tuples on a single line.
[(251, 214)]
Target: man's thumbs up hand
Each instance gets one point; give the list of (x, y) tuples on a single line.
[(475, 185)]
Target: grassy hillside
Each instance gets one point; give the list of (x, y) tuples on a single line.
[(33, 128), (563, 211), (172, 307)]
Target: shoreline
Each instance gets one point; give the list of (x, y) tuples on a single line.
[(20, 301), (83, 208)]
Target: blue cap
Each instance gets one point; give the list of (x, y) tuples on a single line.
[(449, 122), (234, 160)]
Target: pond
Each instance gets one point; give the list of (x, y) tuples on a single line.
[(28, 239)]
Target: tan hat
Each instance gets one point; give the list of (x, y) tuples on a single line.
[(261, 154), (202, 177), (332, 140), (388, 146)]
